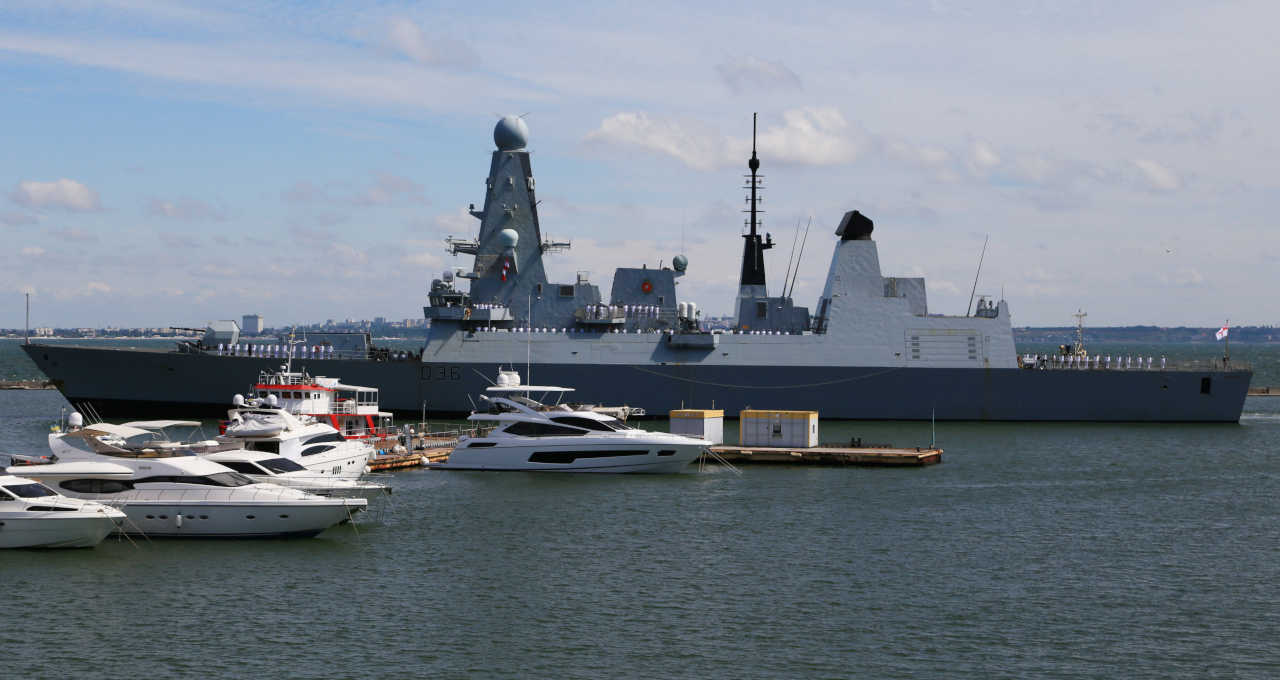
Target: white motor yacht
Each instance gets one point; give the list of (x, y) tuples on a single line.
[(270, 468), (34, 516), (520, 433), (262, 424), (169, 492)]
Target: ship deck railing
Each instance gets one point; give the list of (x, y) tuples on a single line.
[(279, 352), (1057, 362)]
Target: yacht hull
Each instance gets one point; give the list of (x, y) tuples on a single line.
[(55, 529), (659, 458), (160, 519)]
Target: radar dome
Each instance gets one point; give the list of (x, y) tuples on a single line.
[(75, 419), (680, 262), (511, 133), (509, 238)]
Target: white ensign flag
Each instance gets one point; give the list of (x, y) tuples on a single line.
[(1222, 333)]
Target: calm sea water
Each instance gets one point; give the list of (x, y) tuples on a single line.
[(1035, 550)]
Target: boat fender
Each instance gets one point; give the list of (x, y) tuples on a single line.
[(177, 519)]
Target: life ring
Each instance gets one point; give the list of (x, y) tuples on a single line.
[(646, 286)]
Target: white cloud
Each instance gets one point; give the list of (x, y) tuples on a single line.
[(185, 209), (753, 74), (62, 193), (406, 37), (97, 287), (808, 136), (982, 156), (33, 251), (1157, 176), (689, 143), (811, 136)]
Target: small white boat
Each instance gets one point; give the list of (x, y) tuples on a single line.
[(273, 469), (34, 516), (523, 434)]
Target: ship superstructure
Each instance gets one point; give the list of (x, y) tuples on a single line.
[(869, 349)]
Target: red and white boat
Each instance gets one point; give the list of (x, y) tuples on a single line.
[(350, 409)]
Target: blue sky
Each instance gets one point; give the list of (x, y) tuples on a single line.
[(171, 163)]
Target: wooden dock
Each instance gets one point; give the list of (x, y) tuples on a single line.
[(392, 461), (25, 385), (829, 456)]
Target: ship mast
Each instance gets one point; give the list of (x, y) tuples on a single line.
[(1078, 350), (752, 282)]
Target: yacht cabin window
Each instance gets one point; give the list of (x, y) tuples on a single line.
[(279, 465), (588, 423), (526, 429), (31, 490), (242, 466), (265, 447)]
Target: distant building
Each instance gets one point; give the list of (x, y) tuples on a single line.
[(251, 324)]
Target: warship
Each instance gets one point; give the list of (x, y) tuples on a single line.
[(869, 348)]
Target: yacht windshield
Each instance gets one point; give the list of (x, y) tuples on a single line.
[(32, 490), (278, 465)]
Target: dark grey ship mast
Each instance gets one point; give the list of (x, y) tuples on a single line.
[(752, 281)]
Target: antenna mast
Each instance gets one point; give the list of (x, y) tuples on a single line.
[(751, 285), (754, 165), (968, 309), (1078, 350)]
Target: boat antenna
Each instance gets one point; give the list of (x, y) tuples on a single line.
[(796, 273), (791, 257), (933, 427), (26, 330), (976, 275)]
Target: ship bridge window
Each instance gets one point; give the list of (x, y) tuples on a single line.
[(526, 429), (6, 498), (566, 291), (587, 423), (32, 490), (279, 465), (313, 450), (96, 485)]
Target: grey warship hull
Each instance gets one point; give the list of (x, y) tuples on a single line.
[(126, 383)]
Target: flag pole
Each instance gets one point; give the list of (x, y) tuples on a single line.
[(1226, 356)]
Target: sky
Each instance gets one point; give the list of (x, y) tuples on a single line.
[(170, 163)]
